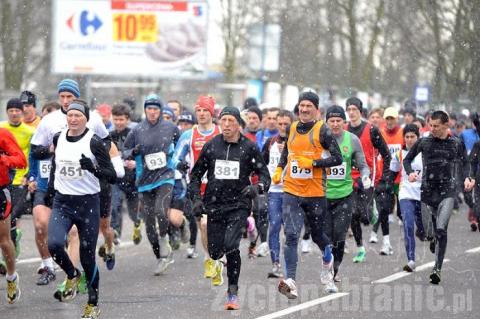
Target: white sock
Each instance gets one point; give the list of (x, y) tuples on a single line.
[(11, 277), (386, 240), (48, 262)]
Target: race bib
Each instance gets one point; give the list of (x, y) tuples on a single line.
[(70, 170), (394, 148), (300, 173), (227, 169), (272, 165), (337, 172), (156, 160), (45, 167)]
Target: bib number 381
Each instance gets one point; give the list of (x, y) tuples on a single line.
[(300, 173), (227, 169), (156, 160)]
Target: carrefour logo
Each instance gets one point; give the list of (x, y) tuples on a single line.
[(86, 23)]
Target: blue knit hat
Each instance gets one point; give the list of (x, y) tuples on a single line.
[(168, 110), (69, 85)]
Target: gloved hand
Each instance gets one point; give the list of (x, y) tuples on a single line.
[(48, 198), (250, 191), (304, 162), (183, 167), (198, 208), (87, 164), (137, 150), (366, 182), (277, 176)]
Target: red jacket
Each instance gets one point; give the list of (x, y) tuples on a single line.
[(11, 156)]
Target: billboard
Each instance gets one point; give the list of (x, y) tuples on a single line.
[(130, 38)]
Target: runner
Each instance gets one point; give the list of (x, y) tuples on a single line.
[(271, 154), (270, 129), (126, 185), (304, 188), (409, 194), (18, 188), (188, 151), (254, 115), (79, 162), (228, 159), (29, 101), (372, 144), (340, 185), (151, 143), (11, 157), (443, 156), (39, 171), (475, 162), (186, 121)]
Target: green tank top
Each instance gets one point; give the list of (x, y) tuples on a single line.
[(339, 178)]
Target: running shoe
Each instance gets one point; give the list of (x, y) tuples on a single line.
[(306, 246), (3, 267), (288, 288), (232, 302), (102, 251), (373, 238), (360, 256), (185, 231), (209, 268), (435, 276), (17, 242), (13, 290), (60, 289), (473, 227), (116, 238), (137, 234), (330, 287), (71, 288), (91, 312), (109, 260), (262, 250), (217, 279), (192, 252), (163, 264), (386, 250), (410, 266), (82, 285), (326, 274), (276, 271), (47, 275)]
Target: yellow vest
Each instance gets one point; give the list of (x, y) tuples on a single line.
[(301, 182)]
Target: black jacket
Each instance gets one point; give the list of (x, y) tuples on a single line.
[(225, 194)]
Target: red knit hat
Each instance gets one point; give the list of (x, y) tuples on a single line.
[(206, 102)]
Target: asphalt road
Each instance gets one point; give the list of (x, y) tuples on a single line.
[(376, 288)]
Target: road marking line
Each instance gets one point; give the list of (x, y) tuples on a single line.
[(473, 250), (402, 274), (304, 305), (38, 259)]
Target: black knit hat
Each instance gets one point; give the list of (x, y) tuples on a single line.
[(79, 107), (28, 97), (256, 110), (233, 111), (336, 111), (15, 104), (309, 96), (355, 101)]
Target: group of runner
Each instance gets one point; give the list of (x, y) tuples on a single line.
[(227, 175)]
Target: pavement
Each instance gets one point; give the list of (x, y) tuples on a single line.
[(377, 288)]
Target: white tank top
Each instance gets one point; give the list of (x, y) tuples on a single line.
[(274, 159), (70, 179)]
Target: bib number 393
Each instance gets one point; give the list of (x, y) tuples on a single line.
[(156, 160), (337, 172), (45, 167), (300, 173), (227, 169), (70, 170)]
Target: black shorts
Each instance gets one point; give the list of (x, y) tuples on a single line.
[(5, 203), (105, 201), (20, 204), (39, 198)]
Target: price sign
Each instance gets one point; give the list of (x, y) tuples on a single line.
[(130, 27)]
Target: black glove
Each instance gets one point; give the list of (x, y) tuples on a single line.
[(251, 191), (183, 167), (137, 150), (198, 209), (48, 198), (87, 164)]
